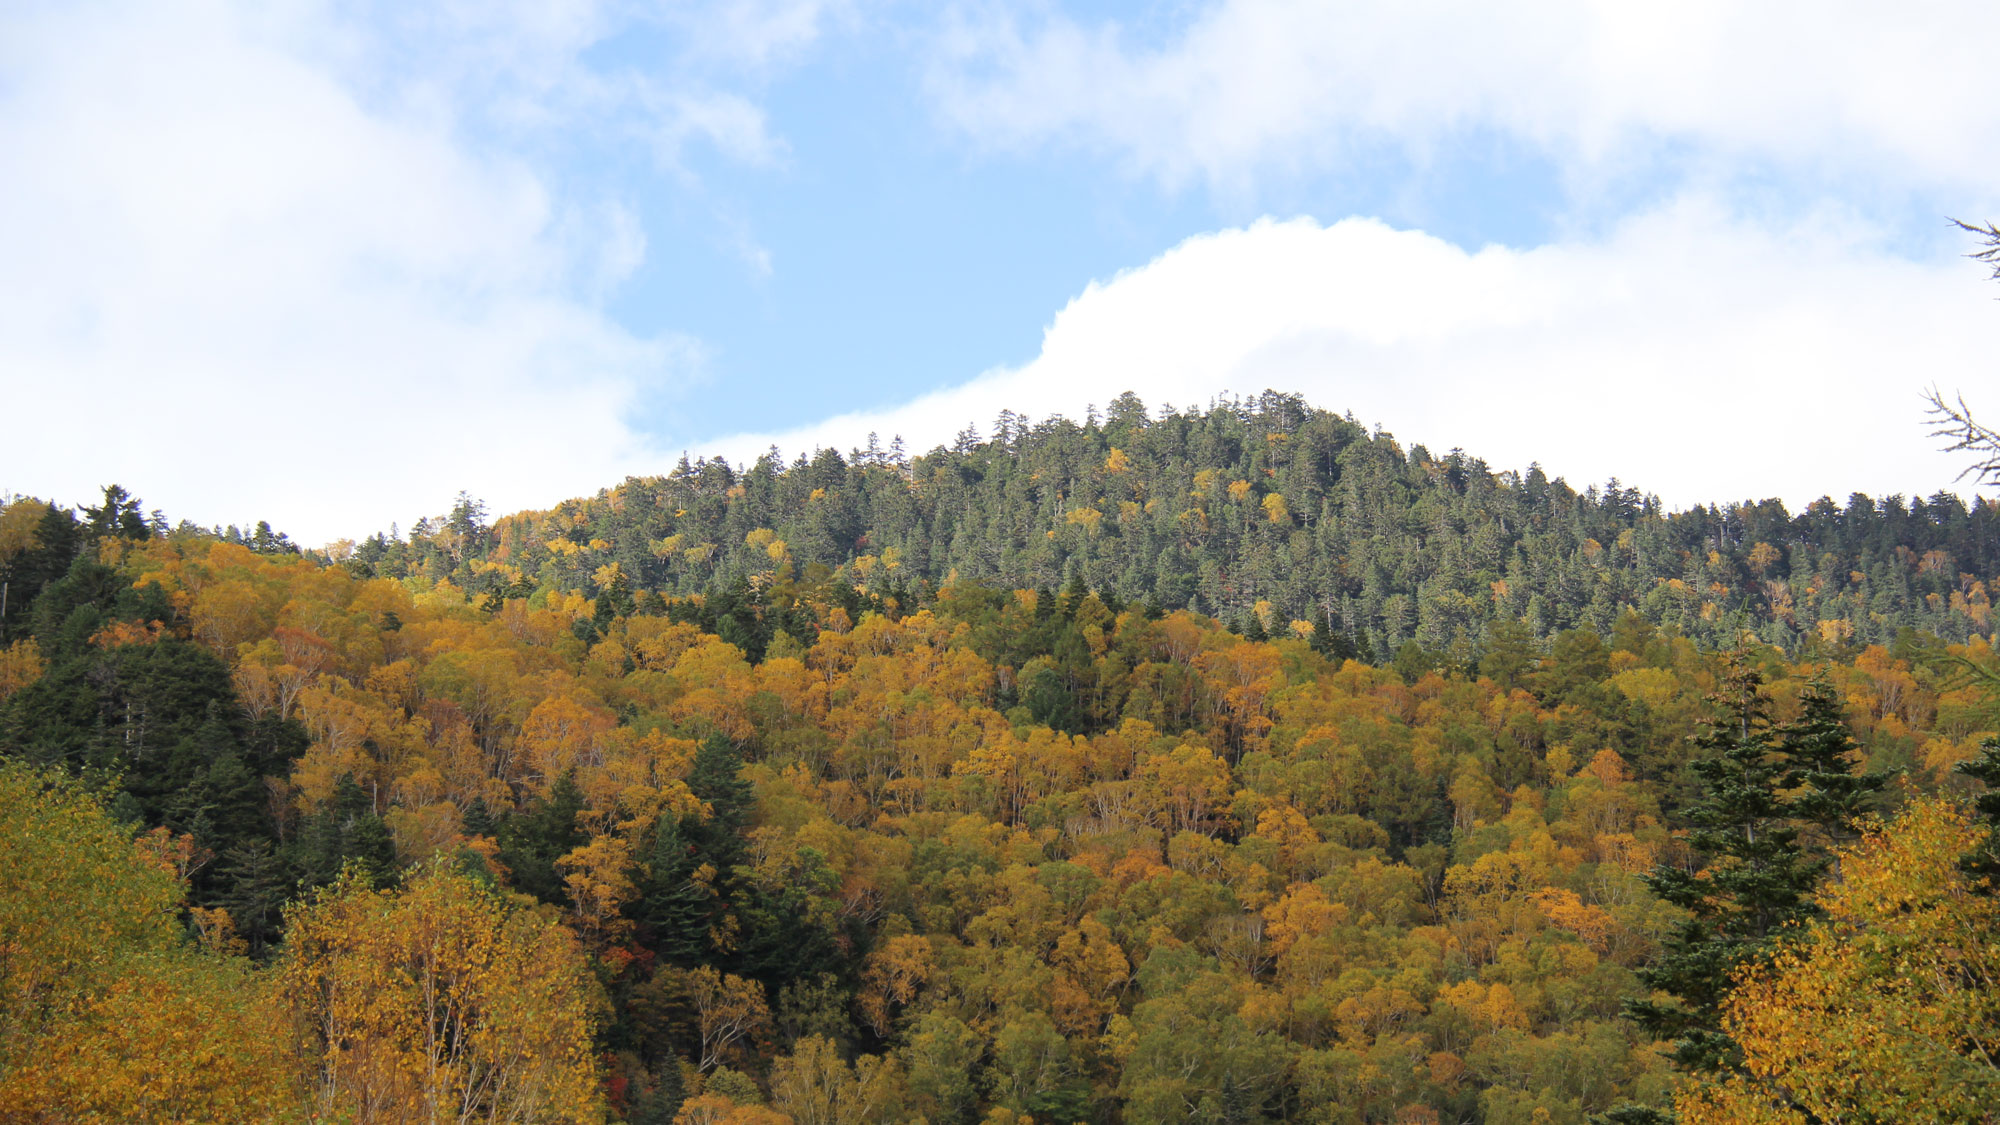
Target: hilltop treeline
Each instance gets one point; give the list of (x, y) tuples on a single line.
[(1263, 513), (828, 845)]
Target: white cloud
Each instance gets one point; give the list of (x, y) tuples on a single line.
[(229, 286), (1899, 95), (257, 263), (1685, 353)]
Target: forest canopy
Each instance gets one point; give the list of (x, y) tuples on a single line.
[(1264, 508), (728, 797)]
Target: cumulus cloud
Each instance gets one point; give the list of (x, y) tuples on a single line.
[(1896, 95), (251, 269), (1686, 352), (279, 261)]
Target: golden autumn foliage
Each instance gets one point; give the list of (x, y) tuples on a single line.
[(446, 1001), (728, 1010), (1888, 1008), (1113, 874), (174, 1036), (721, 1109), (18, 521), (56, 844), (20, 665), (106, 1013), (814, 1085)]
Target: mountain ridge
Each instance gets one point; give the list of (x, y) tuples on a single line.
[(1264, 508)]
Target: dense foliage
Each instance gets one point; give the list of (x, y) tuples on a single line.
[(819, 849), (1262, 513), (1885, 1009)]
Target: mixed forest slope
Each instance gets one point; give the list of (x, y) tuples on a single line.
[(829, 845), (1261, 512)]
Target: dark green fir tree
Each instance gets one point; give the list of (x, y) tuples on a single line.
[(1820, 754), (1755, 877), (1984, 862)]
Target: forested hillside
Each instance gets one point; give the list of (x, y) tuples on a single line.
[(563, 842), (1264, 509)]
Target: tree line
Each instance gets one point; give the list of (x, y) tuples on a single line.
[(1264, 513)]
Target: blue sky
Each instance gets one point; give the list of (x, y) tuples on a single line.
[(380, 253), (905, 256)]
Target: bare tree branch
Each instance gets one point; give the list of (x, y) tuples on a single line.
[(1989, 244), (1951, 420)]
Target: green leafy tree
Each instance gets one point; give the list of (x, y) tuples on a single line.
[(1193, 1057)]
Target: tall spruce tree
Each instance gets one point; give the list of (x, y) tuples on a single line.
[(1755, 877), (532, 841), (676, 904), (255, 886), (658, 1096), (476, 819), (717, 779), (345, 831), (1819, 754), (1983, 864), (689, 881)]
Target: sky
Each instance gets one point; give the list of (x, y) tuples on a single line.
[(330, 264)]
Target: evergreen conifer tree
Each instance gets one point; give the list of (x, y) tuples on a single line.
[(675, 907), (532, 842), (1818, 749), (716, 778), (345, 831), (1984, 862), (476, 819), (1510, 653), (370, 847), (1332, 643), (689, 878), (659, 1099), (1756, 877), (254, 887), (615, 602)]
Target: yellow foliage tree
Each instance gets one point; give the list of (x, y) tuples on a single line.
[(891, 978), (1888, 1008), (106, 1013), (20, 665), (175, 1036), (728, 1010), (721, 1109), (814, 1086), (446, 1001), (597, 876)]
